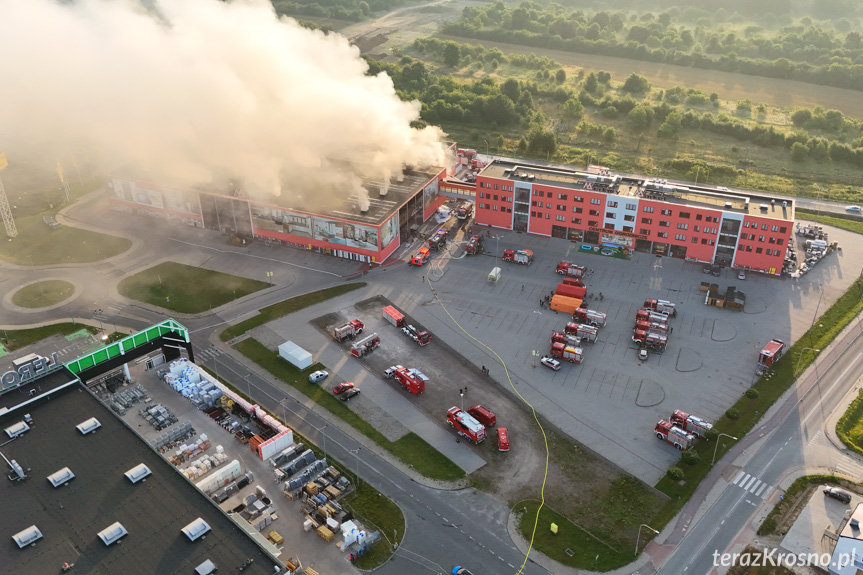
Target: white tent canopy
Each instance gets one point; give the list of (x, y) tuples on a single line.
[(300, 358)]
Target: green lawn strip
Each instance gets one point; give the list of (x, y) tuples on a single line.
[(287, 306), (841, 221), (770, 387), (186, 289), (789, 501), (372, 508), (43, 294), (849, 428), (37, 244), (18, 338), (411, 449), (589, 551)]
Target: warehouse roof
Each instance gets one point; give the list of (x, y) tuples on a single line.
[(71, 517)]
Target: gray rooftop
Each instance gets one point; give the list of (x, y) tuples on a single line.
[(70, 517)]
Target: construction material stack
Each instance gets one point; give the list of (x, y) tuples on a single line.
[(465, 425), (770, 355), (348, 331)]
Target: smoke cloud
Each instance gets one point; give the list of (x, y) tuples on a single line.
[(193, 91)]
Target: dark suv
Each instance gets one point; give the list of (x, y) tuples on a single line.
[(838, 494), (716, 271)]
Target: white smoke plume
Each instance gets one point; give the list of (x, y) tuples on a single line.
[(194, 91)]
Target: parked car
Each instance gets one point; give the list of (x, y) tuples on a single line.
[(391, 371), (343, 387), (550, 362), (853, 209), (706, 269), (716, 271), (642, 354), (346, 396), (741, 275), (317, 376), (838, 494), (482, 414)]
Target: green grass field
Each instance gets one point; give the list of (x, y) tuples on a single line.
[(411, 448), (18, 338), (849, 428), (37, 244), (186, 289), (377, 512), (43, 294)]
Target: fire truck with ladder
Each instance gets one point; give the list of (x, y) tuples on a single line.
[(770, 355), (366, 345), (662, 306), (418, 334), (565, 338), (652, 339), (567, 353), (590, 317), (649, 325), (523, 257), (677, 437), (349, 330), (651, 316), (465, 425), (690, 423), (586, 332), (568, 269)]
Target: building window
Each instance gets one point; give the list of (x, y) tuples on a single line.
[(772, 240), (548, 216), (495, 197), (595, 201), (577, 199), (609, 226), (628, 218), (745, 224), (764, 227), (664, 224), (666, 212), (748, 248), (494, 208), (680, 237), (576, 220), (694, 240), (535, 193), (611, 204), (662, 234), (774, 228), (648, 209), (627, 229), (783, 230), (482, 194), (644, 231), (760, 238), (561, 208), (576, 210), (758, 250), (548, 205), (541, 194), (594, 212), (533, 214), (560, 218), (684, 215), (561, 197), (533, 203), (647, 221), (610, 215), (695, 228), (682, 226), (509, 210), (704, 241), (631, 206), (711, 243), (592, 223), (495, 186), (698, 217)]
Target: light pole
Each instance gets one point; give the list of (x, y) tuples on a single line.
[(496, 248), (638, 539), (461, 392), (800, 359), (717, 445), (249, 383), (486, 146), (325, 439), (356, 453)]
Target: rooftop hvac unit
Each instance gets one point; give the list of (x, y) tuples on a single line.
[(86, 427), (137, 473), (727, 205), (854, 523), (27, 536), (764, 207), (61, 477), (112, 533), (206, 568), (531, 177), (14, 431), (522, 175), (196, 529)]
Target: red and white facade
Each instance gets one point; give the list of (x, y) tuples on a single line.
[(695, 223)]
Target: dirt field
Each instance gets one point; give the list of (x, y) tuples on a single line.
[(579, 483)]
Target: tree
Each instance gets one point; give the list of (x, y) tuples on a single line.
[(801, 116), (640, 118), (572, 108), (511, 89), (799, 151), (451, 55), (609, 134), (560, 76), (590, 84), (668, 131), (637, 84), (542, 141), (522, 145)]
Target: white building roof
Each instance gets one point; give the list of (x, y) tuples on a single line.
[(847, 556)]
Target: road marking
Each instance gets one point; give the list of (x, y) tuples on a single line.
[(757, 483), (767, 493), (748, 483), (739, 477), (751, 484), (758, 493), (814, 438)]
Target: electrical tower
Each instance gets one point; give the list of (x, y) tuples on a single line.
[(5, 211)]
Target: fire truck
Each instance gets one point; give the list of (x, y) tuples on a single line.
[(465, 210), (653, 339), (590, 317), (565, 338), (523, 257), (394, 316), (651, 316), (420, 257), (366, 345), (465, 425), (567, 353), (770, 355), (674, 435), (662, 306), (573, 282), (411, 379), (690, 423), (568, 269), (438, 240), (586, 332), (649, 325), (419, 335), (474, 246), (349, 330)]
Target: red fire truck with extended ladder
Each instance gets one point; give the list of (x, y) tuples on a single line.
[(349, 330), (465, 425), (590, 317), (366, 345), (770, 355), (677, 437)]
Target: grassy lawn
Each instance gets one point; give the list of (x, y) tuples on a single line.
[(769, 387), (411, 448), (291, 305), (186, 289), (777, 515), (852, 224), (43, 294), (570, 538), (377, 512), (37, 244), (18, 338), (849, 428)]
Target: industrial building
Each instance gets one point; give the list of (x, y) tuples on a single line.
[(693, 222), (367, 229), (83, 489)]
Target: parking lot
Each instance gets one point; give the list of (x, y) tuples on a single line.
[(612, 401)]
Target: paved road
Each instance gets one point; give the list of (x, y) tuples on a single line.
[(796, 441)]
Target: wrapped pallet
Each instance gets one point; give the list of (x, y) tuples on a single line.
[(325, 533), (311, 488)]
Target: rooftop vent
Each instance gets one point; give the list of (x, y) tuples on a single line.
[(112, 533), (137, 473), (506, 171), (764, 207), (86, 427), (854, 523), (531, 177), (27, 536), (206, 568), (727, 205), (784, 204), (61, 477), (522, 175), (14, 431), (196, 529)]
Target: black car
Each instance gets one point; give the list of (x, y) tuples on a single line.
[(838, 494), (346, 396), (705, 270), (716, 271)]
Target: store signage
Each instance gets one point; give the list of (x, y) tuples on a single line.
[(29, 370)]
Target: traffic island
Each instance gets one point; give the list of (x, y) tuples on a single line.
[(43, 294)]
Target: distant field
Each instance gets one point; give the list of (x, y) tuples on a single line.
[(43, 294)]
